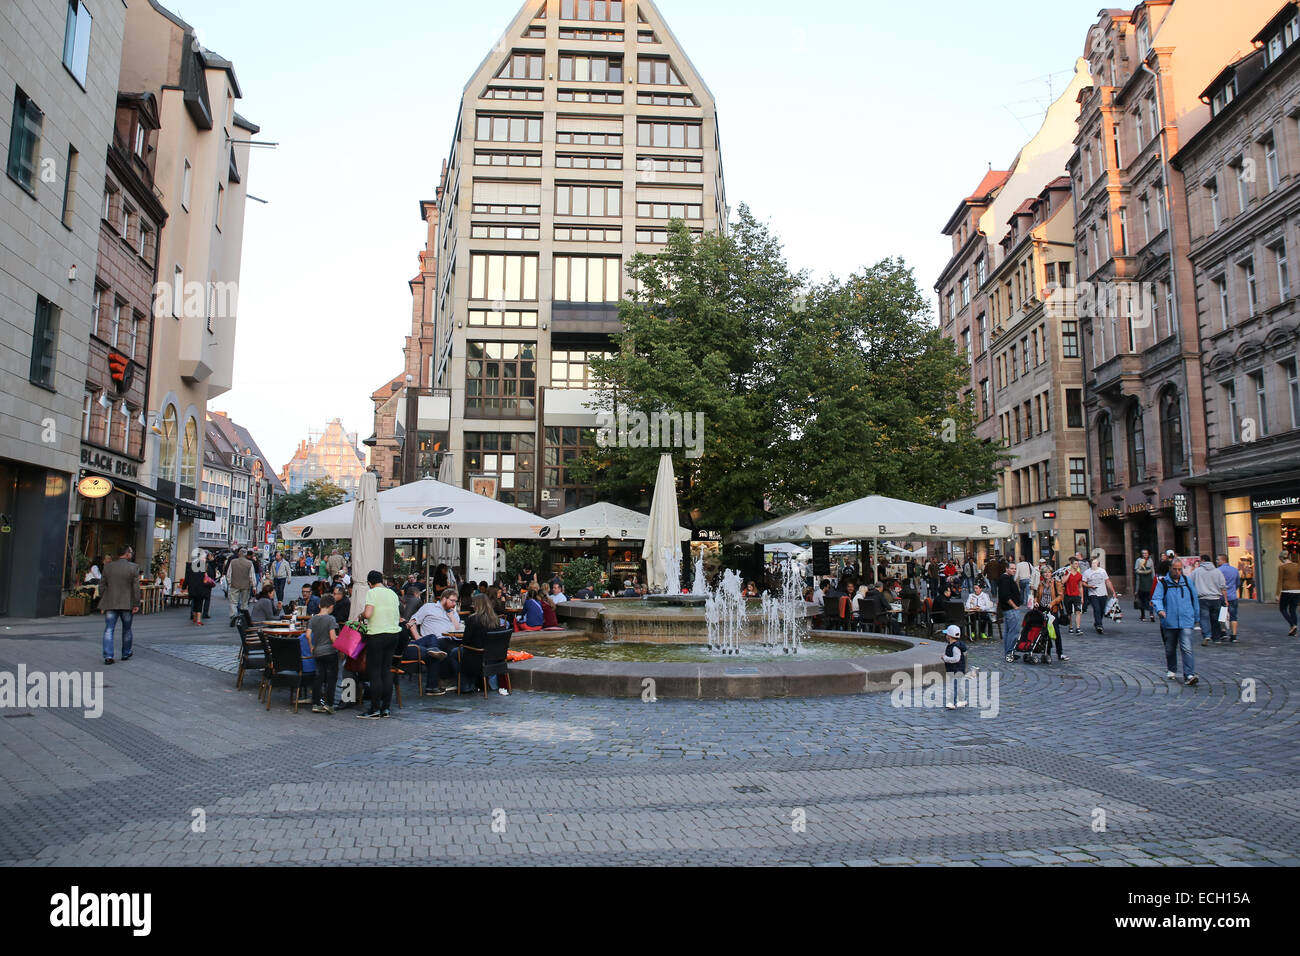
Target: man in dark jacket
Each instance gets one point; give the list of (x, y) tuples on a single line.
[(242, 579), (119, 599), (1010, 609)]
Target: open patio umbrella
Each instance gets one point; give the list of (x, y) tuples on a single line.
[(662, 550), (367, 538), (876, 517), (604, 520)]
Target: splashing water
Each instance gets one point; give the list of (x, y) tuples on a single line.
[(701, 587), (673, 566), (784, 620), (727, 618)]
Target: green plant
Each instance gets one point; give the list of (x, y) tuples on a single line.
[(162, 559), (582, 573), (520, 556)]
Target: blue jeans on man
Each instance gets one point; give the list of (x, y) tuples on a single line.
[(1010, 629), (1211, 629), (1178, 639), (279, 588), (1099, 604), (110, 631)]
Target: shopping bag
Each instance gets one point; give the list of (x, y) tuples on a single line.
[(1224, 615), (350, 642)]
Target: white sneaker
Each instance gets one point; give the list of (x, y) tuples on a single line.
[(951, 706), (503, 692), (963, 703), (1170, 675)]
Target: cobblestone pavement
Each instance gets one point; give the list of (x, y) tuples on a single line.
[(181, 768)]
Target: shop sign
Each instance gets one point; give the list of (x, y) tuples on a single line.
[(1109, 513), (1181, 515), (94, 487), (1265, 504), (107, 462)]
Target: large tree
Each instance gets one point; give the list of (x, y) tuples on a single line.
[(319, 495)]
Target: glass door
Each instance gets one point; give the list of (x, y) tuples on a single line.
[(1270, 545)]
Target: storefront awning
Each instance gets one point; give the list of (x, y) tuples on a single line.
[(186, 510)]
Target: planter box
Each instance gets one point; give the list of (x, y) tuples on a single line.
[(76, 606)]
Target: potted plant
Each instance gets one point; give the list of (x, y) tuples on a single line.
[(77, 603)]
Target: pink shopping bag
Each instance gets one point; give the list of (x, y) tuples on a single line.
[(350, 642)]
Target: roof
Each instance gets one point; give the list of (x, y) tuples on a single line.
[(385, 392), (239, 438), (1286, 13), (993, 180), (249, 125)]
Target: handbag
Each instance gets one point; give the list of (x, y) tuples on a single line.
[(350, 642), (207, 581), (355, 665)]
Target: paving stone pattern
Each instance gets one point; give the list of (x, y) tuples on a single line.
[(184, 769)]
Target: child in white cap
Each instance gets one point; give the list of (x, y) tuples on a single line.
[(954, 662)]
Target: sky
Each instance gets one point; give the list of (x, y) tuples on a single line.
[(854, 134)]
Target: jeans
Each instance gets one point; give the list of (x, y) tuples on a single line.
[(327, 673), (1176, 639), (279, 588), (1010, 629), (110, 631), (380, 649), (1024, 592), (451, 666), (1287, 604), (1210, 626), (1098, 608), (420, 650)]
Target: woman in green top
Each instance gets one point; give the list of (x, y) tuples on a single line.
[(382, 636)]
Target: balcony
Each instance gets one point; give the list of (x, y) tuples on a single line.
[(1118, 377)]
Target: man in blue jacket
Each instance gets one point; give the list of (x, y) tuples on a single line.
[(1179, 611)]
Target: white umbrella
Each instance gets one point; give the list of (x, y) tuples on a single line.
[(367, 538), (603, 520), (877, 517), (662, 547), (429, 510), (755, 534)]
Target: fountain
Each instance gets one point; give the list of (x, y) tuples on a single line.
[(673, 567), (727, 615), (701, 587)]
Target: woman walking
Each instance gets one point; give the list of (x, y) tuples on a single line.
[(1144, 573), (1288, 590), (382, 636), (198, 584)]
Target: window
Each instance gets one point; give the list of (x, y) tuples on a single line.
[(1283, 272), (981, 272), (70, 188), (1069, 339), (1123, 232), (659, 210), (486, 231), (508, 159), (1078, 477), (1171, 433), (187, 185), (1292, 390), (670, 135), (1106, 448), (571, 368), (1270, 162), (148, 243), (87, 404), (588, 138), (1074, 408), (604, 10), (593, 69), (587, 234), (1243, 185), (602, 36), (587, 279), (564, 448), (168, 444), (500, 380), (25, 141), (588, 162), (509, 129), (1221, 287), (190, 455), (115, 332), (965, 291), (588, 200), (1216, 214), (1261, 402), (45, 343), (1252, 292), (510, 458), (965, 345), (952, 307), (666, 99), (522, 66), (504, 278), (480, 318), (657, 72), (1137, 452), (982, 332), (124, 227), (1234, 413), (76, 41), (665, 164), (1153, 118), (985, 400)]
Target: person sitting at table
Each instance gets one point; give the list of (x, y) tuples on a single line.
[(979, 608), (477, 626), (265, 608), (307, 603), (533, 617), (550, 620), (429, 627), (628, 591)]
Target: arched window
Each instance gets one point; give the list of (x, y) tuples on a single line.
[(1106, 448), (1171, 433), (1137, 446), (167, 446), (190, 455)]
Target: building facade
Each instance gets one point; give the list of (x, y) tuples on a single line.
[(58, 99), (328, 455), (1242, 172), (1137, 298), (201, 171), (254, 485), (579, 139)]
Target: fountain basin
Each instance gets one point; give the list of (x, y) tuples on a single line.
[(663, 619), (731, 678)]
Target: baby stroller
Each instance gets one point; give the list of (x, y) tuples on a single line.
[(1114, 610), (1032, 645)]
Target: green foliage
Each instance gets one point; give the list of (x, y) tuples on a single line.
[(581, 573), (520, 556), (317, 496)]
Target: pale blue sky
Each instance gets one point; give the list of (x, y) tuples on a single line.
[(917, 101)]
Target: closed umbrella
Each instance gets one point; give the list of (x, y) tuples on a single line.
[(367, 538), (662, 551)]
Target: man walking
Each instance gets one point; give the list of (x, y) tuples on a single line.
[(119, 599), (1144, 574), (1100, 591), (1211, 593), (1233, 580), (1024, 579), (280, 571), (1175, 604), (242, 580), (334, 564)]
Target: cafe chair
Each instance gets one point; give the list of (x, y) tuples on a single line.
[(480, 663), (252, 654), (283, 663)]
